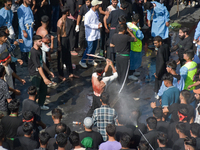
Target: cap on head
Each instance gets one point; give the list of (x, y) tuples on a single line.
[(96, 2), (88, 122)]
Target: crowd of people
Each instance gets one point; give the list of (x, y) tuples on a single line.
[(114, 29)]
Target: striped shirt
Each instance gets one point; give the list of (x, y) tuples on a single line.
[(102, 117)]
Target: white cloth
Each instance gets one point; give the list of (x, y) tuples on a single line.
[(107, 80), (44, 49), (8, 77), (197, 117), (1, 148), (79, 148), (91, 23), (111, 8), (14, 6)]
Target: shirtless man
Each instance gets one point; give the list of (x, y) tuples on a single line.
[(64, 56)]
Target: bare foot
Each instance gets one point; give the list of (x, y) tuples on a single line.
[(73, 76), (62, 78)]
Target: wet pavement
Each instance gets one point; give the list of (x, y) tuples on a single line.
[(73, 96)]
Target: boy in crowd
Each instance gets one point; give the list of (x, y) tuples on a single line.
[(43, 139), (120, 41), (188, 70), (75, 141), (81, 29), (35, 67), (125, 141), (61, 140), (151, 135), (162, 141), (25, 142), (96, 136), (12, 122), (30, 105), (195, 133), (56, 117), (181, 131), (136, 47), (5, 59), (111, 144), (4, 93), (161, 58)]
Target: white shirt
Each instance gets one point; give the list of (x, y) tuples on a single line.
[(111, 8), (91, 23), (1, 148), (197, 118)]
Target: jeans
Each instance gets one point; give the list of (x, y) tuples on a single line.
[(38, 82), (55, 17), (91, 47)]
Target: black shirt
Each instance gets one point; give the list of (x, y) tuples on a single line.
[(72, 6), (121, 42), (113, 17), (104, 5), (173, 109), (54, 2), (198, 143), (96, 136), (30, 105), (34, 135), (34, 61), (151, 136), (25, 143), (172, 135), (10, 125), (129, 10), (163, 148), (84, 9), (51, 145), (184, 45), (121, 129), (179, 145), (162, 126), (51, 130)]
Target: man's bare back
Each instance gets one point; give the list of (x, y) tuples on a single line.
[(42, 31)]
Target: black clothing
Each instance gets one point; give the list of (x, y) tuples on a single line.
[(173, 136), (161, 59), (96, 104), (179, 144), (197, 143), (96, 136), (34, 135), (163, 148), (84, 9), (137, 8), (71, 24), (121, 129), (10, 125), (122, 64), (30, 105), (151, 136), (129, 10), (51, 145), (121, 42), (137, 135), (113, 17), (173, 109), (104, 5), (162, 126), (178, 77), (54, 2), (51, 130), (34, 61), (25, 143)]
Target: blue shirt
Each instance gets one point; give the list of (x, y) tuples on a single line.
[(184, 72), (6, 17), (170, 96), (197, 31)]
